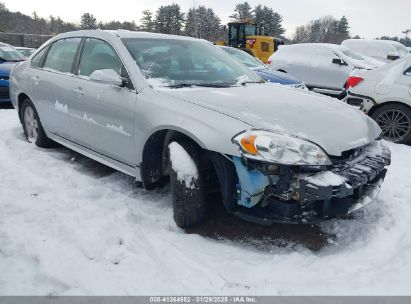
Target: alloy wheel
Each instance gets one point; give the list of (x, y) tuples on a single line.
[(395, 124), (31, 124)]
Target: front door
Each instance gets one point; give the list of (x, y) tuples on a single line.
[(102, 115)]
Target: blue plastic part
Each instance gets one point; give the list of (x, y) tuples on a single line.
[(251, 184)]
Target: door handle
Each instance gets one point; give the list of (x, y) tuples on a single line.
[(78, 91), (36, 79)]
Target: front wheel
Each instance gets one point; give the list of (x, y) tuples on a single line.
[(187, 184), (395, 122), (33, 130)]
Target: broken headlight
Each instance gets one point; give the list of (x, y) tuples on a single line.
[(280, 149)]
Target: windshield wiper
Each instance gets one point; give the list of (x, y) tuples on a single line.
[(243, 83), (6, 60), (206, 85)]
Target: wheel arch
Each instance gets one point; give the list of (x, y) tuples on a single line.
[(154, 158), (386, 103), (20, 98), (155, 164)]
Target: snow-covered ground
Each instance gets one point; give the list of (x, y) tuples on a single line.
[(68, 228)]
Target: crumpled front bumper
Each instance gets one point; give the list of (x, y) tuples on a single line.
[(316, 200)]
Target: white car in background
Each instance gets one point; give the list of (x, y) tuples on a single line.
[(382, 50), (385, 94), (323, 67)]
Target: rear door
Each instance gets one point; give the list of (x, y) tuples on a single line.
[(103, 114), (50, 75), (326, 74)]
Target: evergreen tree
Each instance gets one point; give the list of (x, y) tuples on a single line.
[(242, 12), (88, 22), (146, 22), (271, 20), (343, 26), (169, 19), (202, 23)]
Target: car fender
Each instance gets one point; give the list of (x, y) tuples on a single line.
[(210, 129)]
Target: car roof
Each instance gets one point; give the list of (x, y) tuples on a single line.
[(312, 45), (122, 34)]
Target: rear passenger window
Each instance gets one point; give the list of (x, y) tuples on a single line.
[(37, 60), (98, 55), (61, 55)]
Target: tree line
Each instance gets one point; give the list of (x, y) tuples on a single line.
[(200, 22)]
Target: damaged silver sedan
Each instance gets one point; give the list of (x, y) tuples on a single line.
[(170, 108)]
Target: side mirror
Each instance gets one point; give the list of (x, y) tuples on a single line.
[(393, 56), (339, 61), (108, 76)]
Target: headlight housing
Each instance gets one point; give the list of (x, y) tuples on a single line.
[(280, 149)]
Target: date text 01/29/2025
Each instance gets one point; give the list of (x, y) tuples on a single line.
[(203, 299)]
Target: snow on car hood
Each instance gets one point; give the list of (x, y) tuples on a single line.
[(332, 124)]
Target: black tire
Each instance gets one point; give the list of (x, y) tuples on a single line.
[(189, 203), (395, 122), (41, 140)]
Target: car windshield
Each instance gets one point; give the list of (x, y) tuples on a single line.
[(10, 54), (244, 58), (183, 63), (351, 54)]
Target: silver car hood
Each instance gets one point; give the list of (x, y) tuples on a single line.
[(331, 124)]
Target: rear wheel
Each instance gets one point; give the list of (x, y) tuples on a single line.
[(33, 130), (188, 190), (395, 122)]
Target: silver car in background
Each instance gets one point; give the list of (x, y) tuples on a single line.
[(323, 67), (161, 107)]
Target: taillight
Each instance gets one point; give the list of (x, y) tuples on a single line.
[(353, 81), (269, 61), (251, 42)]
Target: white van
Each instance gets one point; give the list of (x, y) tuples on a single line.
[(383, 50), (323, 67)]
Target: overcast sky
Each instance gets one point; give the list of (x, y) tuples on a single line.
[(368, 18)]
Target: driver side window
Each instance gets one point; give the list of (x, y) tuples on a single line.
[(98, 55)]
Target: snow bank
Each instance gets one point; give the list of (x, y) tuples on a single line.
[(183, 165), (77, 228)]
